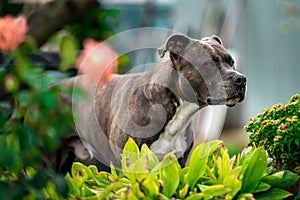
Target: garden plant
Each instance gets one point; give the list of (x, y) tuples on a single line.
[(210, 174), (277, 130)]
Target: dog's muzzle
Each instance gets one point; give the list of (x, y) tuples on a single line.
[(235, 92)]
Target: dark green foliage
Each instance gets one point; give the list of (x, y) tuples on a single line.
[(97, 24), (32, 121), (278, 130), (211, 174), (32, 118)]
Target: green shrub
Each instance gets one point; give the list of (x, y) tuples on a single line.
[(278, 131), (32, 122), (211, 174)]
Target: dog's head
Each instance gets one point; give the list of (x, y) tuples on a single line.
[(207, 67)]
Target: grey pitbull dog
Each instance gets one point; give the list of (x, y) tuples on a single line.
[(155, 107)]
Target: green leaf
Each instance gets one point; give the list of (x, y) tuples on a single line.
[(155, 170), (282, 179), (262, 187), (183, 192), (197, 196), (150, 187), (48, 99), (93, 169), (162, 197), (169, 174), (110, 190), (223, 165), (113, 169), (273, 194), (69, 50), (101, 179), (137, 191), (199, 160), (183, 174), (254, 171), (27, 138), (81, 171), (139, 169), (131, 151), (214, 190), (246, 196), (151, 157), (233, 181)]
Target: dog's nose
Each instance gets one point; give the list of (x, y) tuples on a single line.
[(239, 79)]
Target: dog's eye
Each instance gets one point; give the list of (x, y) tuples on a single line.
[(231, 62), (215, 59)]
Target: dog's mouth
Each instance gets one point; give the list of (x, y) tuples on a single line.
[(230, 101)]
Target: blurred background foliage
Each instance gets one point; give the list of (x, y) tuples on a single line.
[(32, 121), (98, 24), (24, 167)]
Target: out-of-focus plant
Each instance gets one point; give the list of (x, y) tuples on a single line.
[(32, 119), (25, 171), (211, 174), (98, 24)]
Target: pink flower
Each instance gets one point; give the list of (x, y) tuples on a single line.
[(98, 62), (12, 32)]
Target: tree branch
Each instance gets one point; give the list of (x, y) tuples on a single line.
[(46, 19)]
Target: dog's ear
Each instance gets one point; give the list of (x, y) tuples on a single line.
[(174, 44), (214, 39), (217, 39)]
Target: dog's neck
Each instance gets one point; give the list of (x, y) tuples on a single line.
[(179, 110), (173, 137)]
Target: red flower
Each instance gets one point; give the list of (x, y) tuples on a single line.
[(12, 32), (98, 62)]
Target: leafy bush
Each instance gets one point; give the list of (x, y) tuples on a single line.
[(278, 131), (27, 149), (211, 174), (25, 171)]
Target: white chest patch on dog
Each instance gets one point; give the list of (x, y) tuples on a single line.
[(173, 137)]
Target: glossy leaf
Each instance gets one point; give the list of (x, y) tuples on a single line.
[(233, 181), (101, 179), (282, 179), (262, 187), (246, 196), (273, 194), (81, 171), (254, 171), (150, 188), (215, 190), (223, 165), (197, 196), (131, 151), (169, 174), (151, 157), (183, 192), (198, 160)]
